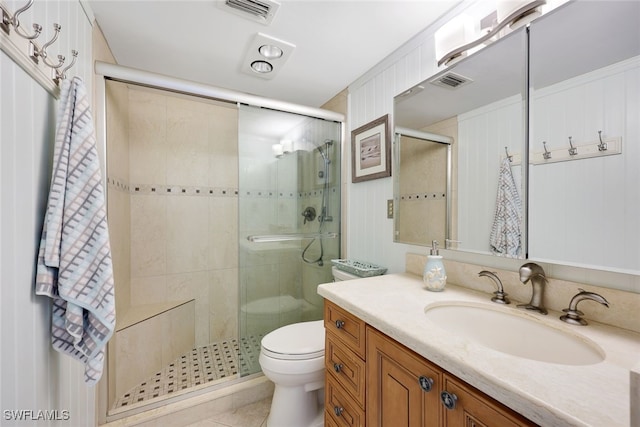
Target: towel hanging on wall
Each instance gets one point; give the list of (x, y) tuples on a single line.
[(74, 261), (505, 236)]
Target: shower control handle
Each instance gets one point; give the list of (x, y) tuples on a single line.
[(339, 324), (309, 214)]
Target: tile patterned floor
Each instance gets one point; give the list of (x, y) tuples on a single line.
[(199, 367)]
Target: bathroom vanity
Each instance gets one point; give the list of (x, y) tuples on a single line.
[(389, 364), (404, 387)]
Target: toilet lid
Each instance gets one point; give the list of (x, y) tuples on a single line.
[(296, 341)]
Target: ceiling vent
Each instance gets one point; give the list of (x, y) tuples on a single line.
[(262, 11), (451, 80)]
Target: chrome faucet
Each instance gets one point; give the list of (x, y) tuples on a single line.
[(534, 273), (574, 316), (500, 297)]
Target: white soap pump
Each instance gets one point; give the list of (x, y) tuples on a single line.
[(434, 276)]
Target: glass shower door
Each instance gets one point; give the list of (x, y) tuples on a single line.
[(289, 221)]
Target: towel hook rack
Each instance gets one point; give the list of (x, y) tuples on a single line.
[(547, 153), (15, 21), (603, 145), (572, 150), (510, 157)]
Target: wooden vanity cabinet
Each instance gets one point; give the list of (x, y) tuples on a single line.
[(374, 380)]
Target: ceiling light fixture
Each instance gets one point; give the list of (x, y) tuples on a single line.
[(270, 51), (261, 67), (265, 56)]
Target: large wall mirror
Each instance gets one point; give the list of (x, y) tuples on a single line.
[(584, 209), (583, 95), (479, 103)]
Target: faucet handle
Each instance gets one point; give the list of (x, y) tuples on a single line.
[(500, 295), (574, 316)]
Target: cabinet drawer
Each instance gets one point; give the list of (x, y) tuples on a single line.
[(472, 407), (347, 368), (345, 326), (341, 409)]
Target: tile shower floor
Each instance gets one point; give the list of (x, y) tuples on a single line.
[(199, 367)]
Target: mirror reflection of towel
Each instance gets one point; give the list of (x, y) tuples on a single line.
[(505, 236)]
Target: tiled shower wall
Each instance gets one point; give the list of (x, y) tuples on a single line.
[(181, 182)]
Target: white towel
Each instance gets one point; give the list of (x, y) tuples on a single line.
[(74, 261), (505, 236)]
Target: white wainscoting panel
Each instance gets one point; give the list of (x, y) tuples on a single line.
[(572, 200), (34, 376)]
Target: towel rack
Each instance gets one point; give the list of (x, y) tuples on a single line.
[(595, 148), (24, 49), (290, 237)]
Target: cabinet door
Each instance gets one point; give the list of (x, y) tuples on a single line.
[(395, 380), (472, 408)]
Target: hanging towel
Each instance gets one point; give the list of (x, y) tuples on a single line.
[(74, 261), (505, 232)]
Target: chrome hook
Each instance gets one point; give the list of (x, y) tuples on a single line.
[(43, 51), (6, 19), (573, 150), (547, 153), (510, 157), (603, 145), (61, 75), (16, 23)]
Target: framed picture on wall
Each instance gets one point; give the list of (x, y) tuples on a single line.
[(371, 150)]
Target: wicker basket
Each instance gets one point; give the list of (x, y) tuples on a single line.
[(359, 268)]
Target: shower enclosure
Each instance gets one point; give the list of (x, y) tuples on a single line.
[(289, 222), (223, 220)]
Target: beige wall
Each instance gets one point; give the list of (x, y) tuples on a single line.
[(172, 173), (181, 182)]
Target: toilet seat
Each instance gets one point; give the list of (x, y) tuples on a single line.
[(298, 341)]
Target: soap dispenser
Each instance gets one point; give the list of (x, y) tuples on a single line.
[(434, 276)]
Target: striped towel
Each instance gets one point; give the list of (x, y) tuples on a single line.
[(505, 232), (74, 261)]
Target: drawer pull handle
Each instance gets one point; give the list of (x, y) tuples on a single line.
[(339, 324), (426, 383), (337, 367), (338, 410), (448, 400)]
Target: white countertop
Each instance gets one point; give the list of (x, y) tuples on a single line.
[(548, 394)]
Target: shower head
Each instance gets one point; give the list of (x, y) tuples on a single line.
[(324, 151)]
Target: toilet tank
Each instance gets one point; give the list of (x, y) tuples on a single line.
[(339, 275)]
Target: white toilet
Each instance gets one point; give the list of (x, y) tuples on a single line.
[(293, 358)]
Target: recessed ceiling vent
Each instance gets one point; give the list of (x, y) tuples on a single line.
[(262, 11), (451, 80)]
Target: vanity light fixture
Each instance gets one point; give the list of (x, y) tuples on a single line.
[(266, 56), (287, 146), (527, 9)]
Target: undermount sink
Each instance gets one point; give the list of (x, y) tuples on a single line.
[(514, 332)]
